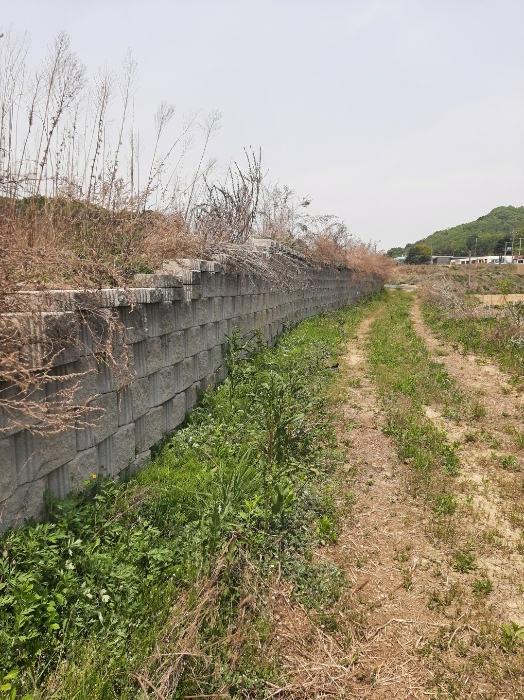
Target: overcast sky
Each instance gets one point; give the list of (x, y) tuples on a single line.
[(400, 116)]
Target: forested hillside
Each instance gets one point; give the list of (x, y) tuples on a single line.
[(489, 232)]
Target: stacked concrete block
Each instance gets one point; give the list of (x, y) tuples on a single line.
[(175, 326)]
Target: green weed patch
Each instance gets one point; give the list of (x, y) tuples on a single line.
[(178, 558), (492, 337)]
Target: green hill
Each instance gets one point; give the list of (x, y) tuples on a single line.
[(490, 231)]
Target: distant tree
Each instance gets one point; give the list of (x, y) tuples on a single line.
[(418, 254), (502, 221), (395, 252)]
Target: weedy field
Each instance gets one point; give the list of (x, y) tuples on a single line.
[(343, 517), (479, 279), (158, 586)]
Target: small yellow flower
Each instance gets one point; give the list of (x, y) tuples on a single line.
[(93, 476)]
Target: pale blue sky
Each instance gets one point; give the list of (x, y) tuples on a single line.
[(400, 116)]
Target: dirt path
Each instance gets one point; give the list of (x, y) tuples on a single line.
[(384, 621), (410, 626)]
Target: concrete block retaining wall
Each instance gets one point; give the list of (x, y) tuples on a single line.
[(176, 327)]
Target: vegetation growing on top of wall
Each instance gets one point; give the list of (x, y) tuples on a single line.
[(74, 212), (85, 201), (160, 582)]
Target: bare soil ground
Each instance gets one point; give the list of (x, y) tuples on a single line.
[(492, 476), (500, 299), (410, 625)]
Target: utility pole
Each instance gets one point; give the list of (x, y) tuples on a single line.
[(469, 270)]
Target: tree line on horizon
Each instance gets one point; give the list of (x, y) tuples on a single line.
[(487, 235)]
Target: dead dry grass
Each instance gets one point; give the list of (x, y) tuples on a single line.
[(491, 491)]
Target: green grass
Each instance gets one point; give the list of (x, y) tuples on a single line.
[(464, 561), (408, 380), (488, 337), (482, 586), (239, 493), (445, 504)]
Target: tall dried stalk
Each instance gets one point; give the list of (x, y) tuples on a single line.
[(73, 212)]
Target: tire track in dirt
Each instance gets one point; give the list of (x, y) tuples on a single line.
[(373, 650), (492, 497)]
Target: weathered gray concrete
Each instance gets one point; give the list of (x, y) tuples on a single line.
[(176, 325)]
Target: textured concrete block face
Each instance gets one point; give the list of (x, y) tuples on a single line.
[(154, 425), (58, 482), (166, 318), (106, 456), (105, 378), (176, 328), (164, 344), (26, 502), (223, 331), (203, 312), (185, 374), (184, 317), (8, 478), (107, 424), (212, 335), (153, 354), (125, 405), (134, 320), (152, 313), (227, 308), (149, 429), (161, 386), (193, 341), (156, 280), (191, 396), (87, 381), (178, 409), (176, 347), (124, 448), (259, 320), (55, 450), (249, 322), (214, 358), (202, 364), (27, 456), (56, 339), (140, 390), (83, 468), (167, 416), (140, 434), (85, 437), (218, 309), (140, 359), (207, 283)]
